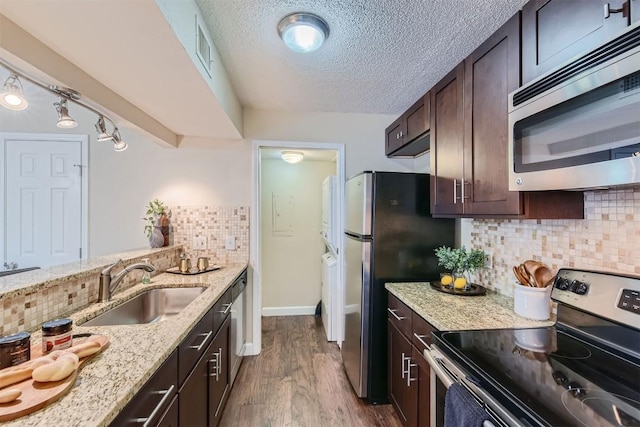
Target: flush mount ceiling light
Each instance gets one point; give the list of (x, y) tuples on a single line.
[(12, 95), (303, 32), (292, 156), (65, 121)]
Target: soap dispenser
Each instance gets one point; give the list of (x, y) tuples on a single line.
[(146, 276)]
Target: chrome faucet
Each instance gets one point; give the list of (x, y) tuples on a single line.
[(109, 283)]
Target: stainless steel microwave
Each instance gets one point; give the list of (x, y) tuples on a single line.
[(578, 126)]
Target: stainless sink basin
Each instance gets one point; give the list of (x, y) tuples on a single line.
[(154, 305)]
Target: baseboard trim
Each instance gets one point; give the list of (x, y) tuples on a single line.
[(289, 311)]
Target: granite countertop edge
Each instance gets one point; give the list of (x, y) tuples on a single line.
[(108, 381), (448, 312)]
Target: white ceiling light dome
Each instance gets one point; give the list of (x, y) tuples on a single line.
[(303, 32), (292, 156)]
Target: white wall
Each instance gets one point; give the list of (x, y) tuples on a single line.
[(291, 268), (362, 134)]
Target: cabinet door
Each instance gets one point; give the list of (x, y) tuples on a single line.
[(394, 136), (447, 148), (554, 31), (491, 72), (421, 388), (417, 118), (170, 418), (218, 358), (193, 394), (399, 354)]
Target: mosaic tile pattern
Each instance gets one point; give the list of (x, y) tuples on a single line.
[(26, 308), (608, 239), (216, 224)]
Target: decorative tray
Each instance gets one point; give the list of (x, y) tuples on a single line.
[(193, 271), (475, 290)]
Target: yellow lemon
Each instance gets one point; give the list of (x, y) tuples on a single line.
[(446, 280), (460, 283)]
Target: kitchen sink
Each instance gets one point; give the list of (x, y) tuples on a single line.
[(152, 306)]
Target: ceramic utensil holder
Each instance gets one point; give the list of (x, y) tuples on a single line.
[(532, 303)]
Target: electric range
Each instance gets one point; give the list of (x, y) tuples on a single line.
[(583, 371)]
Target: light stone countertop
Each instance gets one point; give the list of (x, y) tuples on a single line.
[(108, 381), (28, 281), (449, 312)]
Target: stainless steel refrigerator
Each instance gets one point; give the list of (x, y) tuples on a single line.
[(390, 236)]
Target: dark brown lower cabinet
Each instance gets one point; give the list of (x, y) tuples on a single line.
[(218, 372), (408, 371), (193, 394)]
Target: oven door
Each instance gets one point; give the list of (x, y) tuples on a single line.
[(443, 374)]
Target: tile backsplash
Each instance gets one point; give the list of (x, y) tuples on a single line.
[(216, 224), (607, 239)]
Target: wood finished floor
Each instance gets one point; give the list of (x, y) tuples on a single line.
[(298, 380)]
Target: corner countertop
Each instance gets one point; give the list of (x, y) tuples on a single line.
[(108, 381), (448, 312)]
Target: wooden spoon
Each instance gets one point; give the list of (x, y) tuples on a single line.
[(523, 281), (529, 279), (542, 276)]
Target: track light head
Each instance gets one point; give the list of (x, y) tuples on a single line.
[(101, 128), (118, 143), (12, 94), (65, 121)]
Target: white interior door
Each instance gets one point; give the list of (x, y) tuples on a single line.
[(43, 199)]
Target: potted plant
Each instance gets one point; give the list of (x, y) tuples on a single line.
[(157, 227), (459, 263)]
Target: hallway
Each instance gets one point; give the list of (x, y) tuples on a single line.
[(298, 380)]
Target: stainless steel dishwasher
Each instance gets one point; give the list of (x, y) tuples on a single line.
[(237, 333)]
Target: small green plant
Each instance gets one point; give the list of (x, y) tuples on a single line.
[(155, 209), (460, 259)]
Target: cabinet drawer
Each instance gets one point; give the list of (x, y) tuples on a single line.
[(152, 401), (421, 336), (221, 309), (194, 346), (399, 315), (239, 285)]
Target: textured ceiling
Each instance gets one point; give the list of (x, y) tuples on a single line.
[(381, 55)]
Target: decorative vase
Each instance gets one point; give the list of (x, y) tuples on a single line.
[(461, 280), (156, 240), (163, 222)]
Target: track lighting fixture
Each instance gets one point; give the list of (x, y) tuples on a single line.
[(65, 121), (12, 95)]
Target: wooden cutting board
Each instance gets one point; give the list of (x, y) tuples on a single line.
[(35, 395)]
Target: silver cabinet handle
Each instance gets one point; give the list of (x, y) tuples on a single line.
[(215, 368), (419, 338), (455, 191), (404, 360), (204, 341), (219, 365), (409, 366), (393, 312), (608, 11), (227, 307), (146, 422), (462, 184)]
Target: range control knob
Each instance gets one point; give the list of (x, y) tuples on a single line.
[(562, 283), (560, 378), (580, 288), (576, 389)]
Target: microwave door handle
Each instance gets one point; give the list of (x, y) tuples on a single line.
[(435, 367)]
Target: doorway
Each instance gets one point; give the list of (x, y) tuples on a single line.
[(43, 199), (286, 244)]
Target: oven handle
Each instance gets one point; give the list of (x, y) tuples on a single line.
[(436, 368)]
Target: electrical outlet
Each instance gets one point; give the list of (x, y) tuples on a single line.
[(200, 243), (230, 243), (488, 261)]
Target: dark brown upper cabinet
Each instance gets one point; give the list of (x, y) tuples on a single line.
[(408, 136), (554, 31), (469, 131)]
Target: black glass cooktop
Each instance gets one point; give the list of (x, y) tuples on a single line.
[(549, 376)]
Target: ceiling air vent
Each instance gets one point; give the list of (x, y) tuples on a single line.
[(203, 47)]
